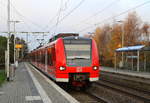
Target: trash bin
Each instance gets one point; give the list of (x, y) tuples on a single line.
[(12, 72)]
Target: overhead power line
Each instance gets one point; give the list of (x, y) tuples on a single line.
[(62, 8), (37, 25), (69, 13), (59, 14), (51, 20), (54, 17), (99, 12), (137, 6)]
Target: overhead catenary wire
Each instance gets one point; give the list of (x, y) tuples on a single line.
[(25, 21), (69, 13), (59, 14), (25, 24), (61, 9), (37, 25), (124, 12), (51, 20), (98, 12)]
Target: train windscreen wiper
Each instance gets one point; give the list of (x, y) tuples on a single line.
[(78, 57)]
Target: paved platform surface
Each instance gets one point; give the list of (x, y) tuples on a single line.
[(31, 87), (22, 86), (127, 72)]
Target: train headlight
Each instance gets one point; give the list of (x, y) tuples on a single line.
[(95, 68), (62, 68)]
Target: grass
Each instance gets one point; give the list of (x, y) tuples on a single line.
[(2, 76)]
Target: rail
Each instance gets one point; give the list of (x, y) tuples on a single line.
[(98, 98), (142, 95)]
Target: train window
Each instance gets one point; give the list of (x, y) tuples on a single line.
[(49, 57), (43, 58), (78, 52), (80, 41), (39, 57)]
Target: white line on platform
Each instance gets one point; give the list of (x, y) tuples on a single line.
[(61, 91), (41, 91), (32, 98), (1, 93)]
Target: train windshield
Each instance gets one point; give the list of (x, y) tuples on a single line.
[(78, 53)]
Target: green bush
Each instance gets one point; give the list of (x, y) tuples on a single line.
[(2, 76)]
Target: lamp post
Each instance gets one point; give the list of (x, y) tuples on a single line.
[(122, 39)]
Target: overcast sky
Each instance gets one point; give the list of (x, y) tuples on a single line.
[(42, 15)]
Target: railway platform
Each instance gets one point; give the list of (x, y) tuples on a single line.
[(31, 86), (144, 75)]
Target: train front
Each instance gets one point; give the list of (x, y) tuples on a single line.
[(77, 61)]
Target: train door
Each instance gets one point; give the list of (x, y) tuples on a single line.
[(46, 52)]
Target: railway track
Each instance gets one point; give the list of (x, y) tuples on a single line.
[(100, 99), (87, 97), (137, 94), (136, 83)]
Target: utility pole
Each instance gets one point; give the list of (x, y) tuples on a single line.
[(122, 44), (14, 22), (122, 39), (8, 27)]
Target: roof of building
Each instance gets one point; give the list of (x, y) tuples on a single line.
[(131, 48)]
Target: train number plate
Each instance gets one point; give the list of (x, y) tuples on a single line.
[(79, 69)]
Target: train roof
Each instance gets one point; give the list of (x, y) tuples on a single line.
[(73, 37), (65, 36), (62, 35)]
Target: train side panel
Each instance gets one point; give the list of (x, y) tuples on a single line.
[(94, 75), (61, 76)]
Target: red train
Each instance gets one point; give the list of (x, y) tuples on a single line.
[(68, 58)]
